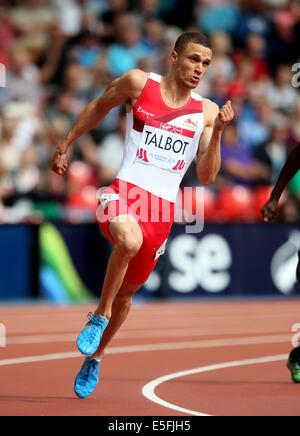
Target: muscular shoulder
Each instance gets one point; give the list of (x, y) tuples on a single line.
[(210, 110), (132, 83)]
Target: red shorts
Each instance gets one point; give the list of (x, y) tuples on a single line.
[(154, 215)]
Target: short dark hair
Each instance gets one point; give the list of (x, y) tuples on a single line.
[(185, 38)]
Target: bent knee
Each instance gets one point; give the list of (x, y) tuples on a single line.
[(129, 245)]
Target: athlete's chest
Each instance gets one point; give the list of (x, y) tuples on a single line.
[(169, 137)]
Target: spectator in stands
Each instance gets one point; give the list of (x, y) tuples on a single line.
[(70, 16), (108, 155), (280, 94), (223, 68), (125, 54), (153, 34), (10, 155), (219, 16), (108, 19), (253, 18), (101, 78), (272, 154), (238, 165), (88, 51), (33, 19), (23, 78), (254, 53), (295, 126), (255, 127), (28, 175), (60, 55), (147, 8), (7, 36)]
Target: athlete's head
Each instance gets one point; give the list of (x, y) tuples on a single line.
[(191, 57)]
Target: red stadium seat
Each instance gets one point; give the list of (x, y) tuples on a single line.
[(198, 201), (80, 174), (84, 199), (237, 203)]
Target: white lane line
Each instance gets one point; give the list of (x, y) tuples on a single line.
[(149, 389), (133, 325), (41, 358), (164, 346), (70, 337)]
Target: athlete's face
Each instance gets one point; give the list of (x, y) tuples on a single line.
[(191, 65)]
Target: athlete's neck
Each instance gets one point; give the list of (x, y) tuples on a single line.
[(173, 95)]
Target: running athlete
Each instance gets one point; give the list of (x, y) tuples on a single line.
[(269, 210), (168, 125)]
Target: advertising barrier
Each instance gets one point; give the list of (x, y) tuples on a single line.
[(230, 259), (73, 260), (18, 262), (65, 262)]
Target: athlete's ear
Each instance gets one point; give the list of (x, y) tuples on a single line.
[(174, 57)]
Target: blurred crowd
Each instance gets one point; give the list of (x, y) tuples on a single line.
[(60, 54)]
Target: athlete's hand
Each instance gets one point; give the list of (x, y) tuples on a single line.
[(269, 210), (225, 116), (59, 163)]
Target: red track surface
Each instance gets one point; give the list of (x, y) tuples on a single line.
[(158, 339)]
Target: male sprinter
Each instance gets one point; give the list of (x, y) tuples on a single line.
[(168, 125), (290, 168)]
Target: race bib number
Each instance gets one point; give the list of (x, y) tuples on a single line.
[(164, 146)]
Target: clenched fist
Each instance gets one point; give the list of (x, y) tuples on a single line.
[(269, 210), (59, 163), (225, 116)]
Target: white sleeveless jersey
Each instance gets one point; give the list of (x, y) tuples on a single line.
[(161, 142)]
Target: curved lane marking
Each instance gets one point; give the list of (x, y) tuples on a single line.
[(149, 388)]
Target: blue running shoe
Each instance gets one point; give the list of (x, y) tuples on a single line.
[(89, 339), (87, 378)]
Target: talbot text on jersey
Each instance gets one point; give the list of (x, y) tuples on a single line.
[(166, 144)]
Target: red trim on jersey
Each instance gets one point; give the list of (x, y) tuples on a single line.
[(138, 124), (149, 107), (182, 112)]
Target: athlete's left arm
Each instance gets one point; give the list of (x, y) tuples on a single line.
[(209, 151), (290, 168)]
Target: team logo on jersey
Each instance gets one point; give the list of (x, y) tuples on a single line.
[(170, 128), (148, 115), (189, 124)]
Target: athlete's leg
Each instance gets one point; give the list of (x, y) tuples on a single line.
[(120, 309), (128, 238), (88, 377)]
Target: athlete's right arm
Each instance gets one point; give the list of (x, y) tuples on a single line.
[(290, 168), (125, 89)]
